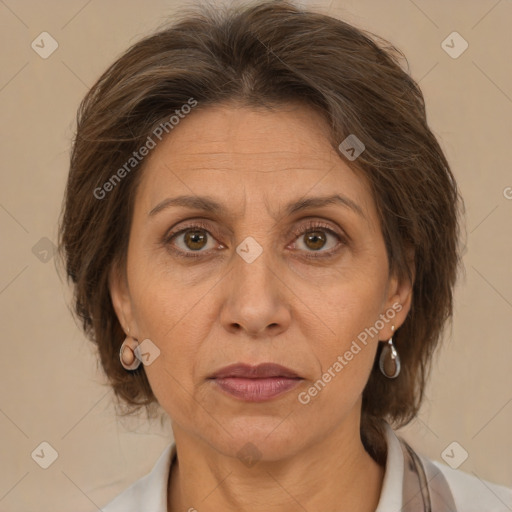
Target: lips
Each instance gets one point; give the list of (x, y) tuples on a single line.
[(260, 383), (261, 371)]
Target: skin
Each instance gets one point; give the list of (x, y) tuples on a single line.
[(208, 312)]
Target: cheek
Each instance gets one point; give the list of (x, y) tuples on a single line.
[(345, 364), (176, 320), (351, 309), (349, 303), (171, 375)]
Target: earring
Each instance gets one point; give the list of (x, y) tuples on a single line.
[(127, 354), (389, 362)]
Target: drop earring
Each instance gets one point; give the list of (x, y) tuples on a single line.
[(127, 353), (389, 362)]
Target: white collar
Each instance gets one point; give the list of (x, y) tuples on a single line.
[(149, 493), (391, 493)]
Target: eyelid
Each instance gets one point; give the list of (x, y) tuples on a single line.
[(206, 224)]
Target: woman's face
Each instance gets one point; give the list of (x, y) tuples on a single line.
[(271, 274)]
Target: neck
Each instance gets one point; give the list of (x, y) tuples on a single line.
[(335, 474)]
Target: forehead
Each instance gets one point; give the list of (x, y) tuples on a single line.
[(263, 158)]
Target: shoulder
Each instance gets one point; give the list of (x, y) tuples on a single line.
[(472, 494)]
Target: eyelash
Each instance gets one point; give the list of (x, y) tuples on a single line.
[(308, 227)]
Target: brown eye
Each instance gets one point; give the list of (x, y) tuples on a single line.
[(315, 240), (192, 241), (316, 237), (318, 240), (195, 239)]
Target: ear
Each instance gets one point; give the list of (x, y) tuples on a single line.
[(121, 300), (399, 298)]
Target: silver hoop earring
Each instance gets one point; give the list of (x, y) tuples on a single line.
[(389, 362), (127, 355)]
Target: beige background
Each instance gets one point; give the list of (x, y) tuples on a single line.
[(51, 389)]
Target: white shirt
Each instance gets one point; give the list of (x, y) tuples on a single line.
[(470, 493)]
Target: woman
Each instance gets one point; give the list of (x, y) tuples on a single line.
[(258, 212)]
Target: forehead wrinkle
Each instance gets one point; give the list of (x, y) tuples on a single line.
[(214, 155), (248, 171), (277, 213)]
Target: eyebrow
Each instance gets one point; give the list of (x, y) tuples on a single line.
[(208, 204)]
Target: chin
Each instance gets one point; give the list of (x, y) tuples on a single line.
[(254, 438)]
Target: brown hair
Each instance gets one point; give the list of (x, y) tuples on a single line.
[(269, 54)]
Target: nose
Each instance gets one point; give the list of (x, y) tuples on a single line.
[(256, 299)]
